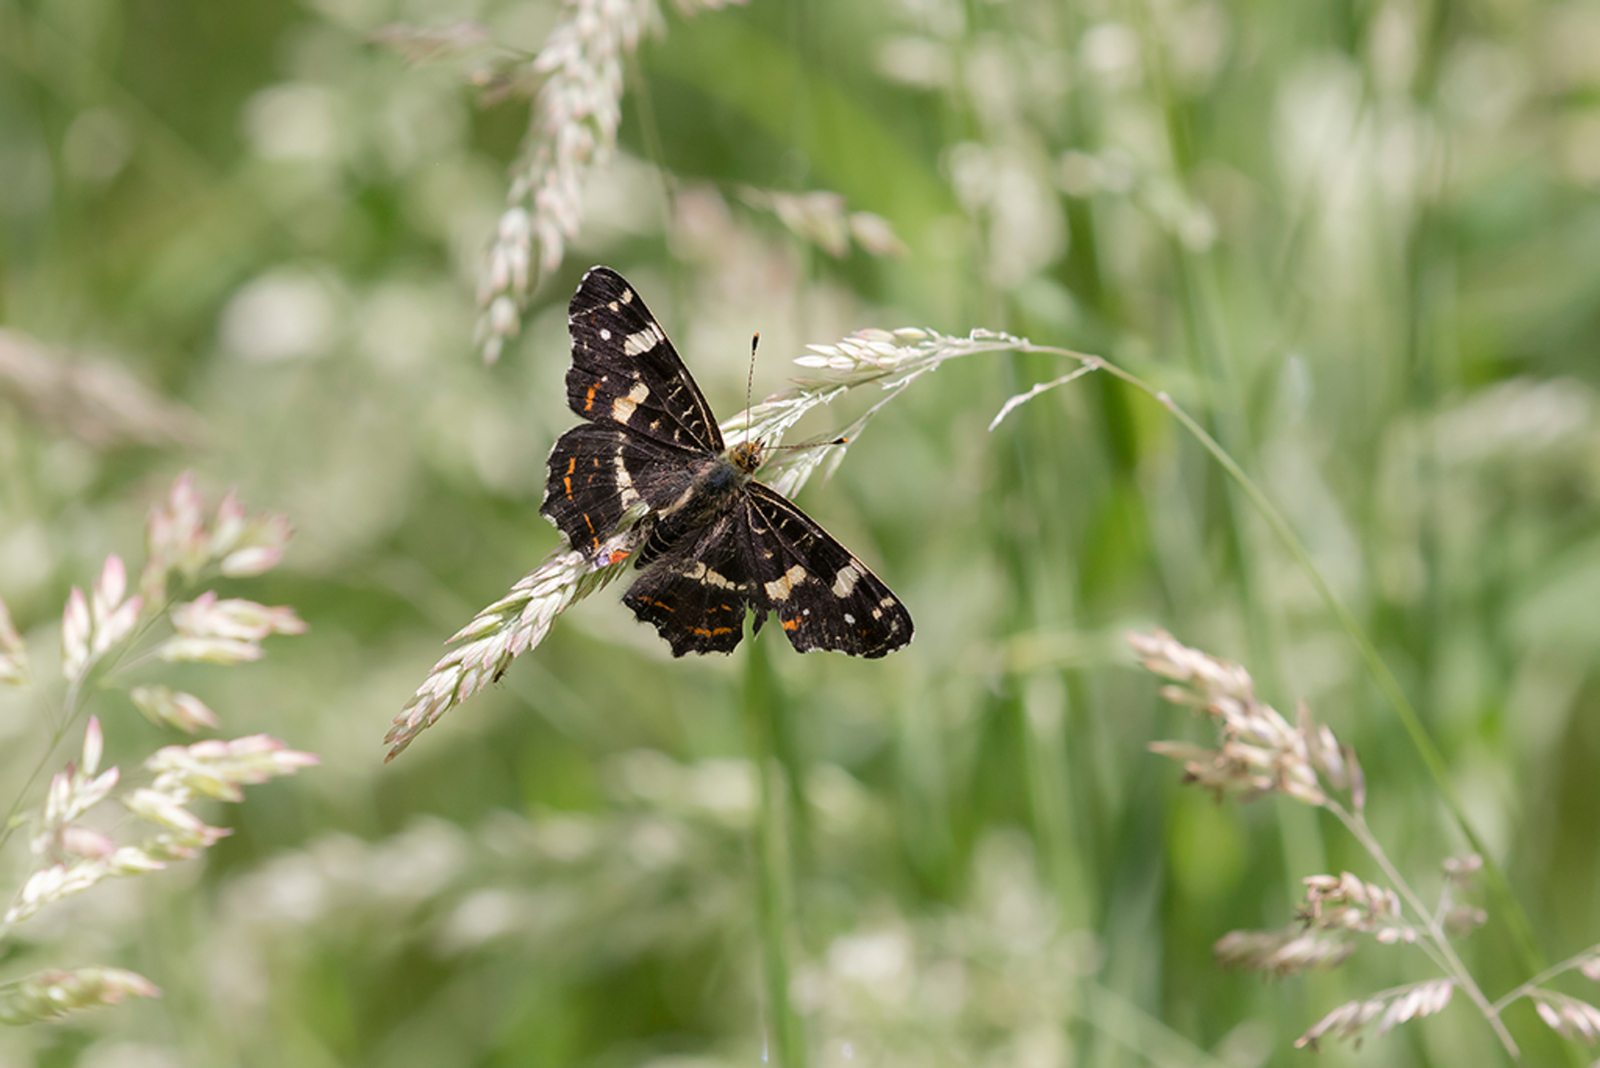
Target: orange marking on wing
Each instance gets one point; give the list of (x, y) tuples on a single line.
[(572, 464), (790, 624), (589, 400), (568, 481), (704, 633)]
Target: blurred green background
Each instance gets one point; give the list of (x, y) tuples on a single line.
[(1360, 239)]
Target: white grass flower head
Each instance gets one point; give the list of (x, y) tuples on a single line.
[(72, 793), (228, 631), (1258, 751), (78, 858), (1347, 903), (573, 128), (49, 995), (219, 768), (13, 654), (247, 545), (175, 538), (505, 630), (91, 626), (1567, 1016)]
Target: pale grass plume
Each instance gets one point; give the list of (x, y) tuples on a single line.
[(1347, 903), (50, 995), (1568, 1016), (573, 128), (505, 630), (216, 768), (69, 851), (1258, 751), (71, 858), (1281, 953), (227, 631), (72, 792), (1380, 1013), (177, 539)]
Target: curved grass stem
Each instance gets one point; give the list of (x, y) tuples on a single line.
[(1494, 876)]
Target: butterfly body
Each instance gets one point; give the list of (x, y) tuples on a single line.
[(717, 542)]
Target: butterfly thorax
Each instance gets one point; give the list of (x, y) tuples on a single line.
[(714, 481), (746, 456)]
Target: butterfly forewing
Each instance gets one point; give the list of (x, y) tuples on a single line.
[(823, 596), (625, 371), (596, 473)]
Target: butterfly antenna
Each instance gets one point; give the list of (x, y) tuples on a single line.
[(749, 384)]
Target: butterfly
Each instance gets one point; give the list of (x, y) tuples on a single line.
[(715, 542)]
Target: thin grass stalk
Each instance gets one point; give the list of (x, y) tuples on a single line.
[(1494, 876), (781, 1027)]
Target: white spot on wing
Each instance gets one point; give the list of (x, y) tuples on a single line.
[(630, 496), (627, 296), (643, 341), (622, 408), (702, 573), (845, 580), (605, 335), (778, 589)]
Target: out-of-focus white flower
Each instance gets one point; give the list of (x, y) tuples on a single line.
[(90, 627), (247, 546), (170, 708), (13, 655), (175, 538), (218, 768), (227, 631), (72, 793)]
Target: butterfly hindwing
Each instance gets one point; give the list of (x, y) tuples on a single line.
[(823, 596), (696, 599), (597, 473), (625, 371)]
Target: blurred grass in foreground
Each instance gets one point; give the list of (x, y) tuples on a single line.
[(1356, 239)]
